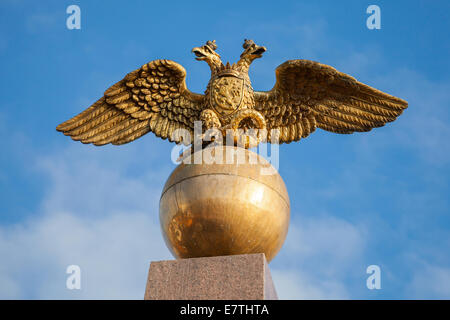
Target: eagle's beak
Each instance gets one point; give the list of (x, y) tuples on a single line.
[(254, 51), (199, 53), (258, 51)]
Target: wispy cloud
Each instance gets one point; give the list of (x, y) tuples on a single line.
[(93, 215), (293, 284), (317, 258), (425, 128), (430, 282), (113, 252), (43, 21)]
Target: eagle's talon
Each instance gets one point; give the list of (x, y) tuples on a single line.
[(210, 120)]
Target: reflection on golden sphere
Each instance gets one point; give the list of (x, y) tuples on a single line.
[(224, 209)]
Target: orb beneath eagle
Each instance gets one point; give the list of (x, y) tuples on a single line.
[(238, 206)]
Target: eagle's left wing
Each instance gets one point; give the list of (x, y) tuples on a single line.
[(153, 98), (309, 94)]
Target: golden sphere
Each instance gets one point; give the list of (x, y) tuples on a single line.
[(238, 207)]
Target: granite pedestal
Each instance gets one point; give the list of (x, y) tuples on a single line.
[(237, 277)]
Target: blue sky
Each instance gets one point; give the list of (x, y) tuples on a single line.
[(356, 200)]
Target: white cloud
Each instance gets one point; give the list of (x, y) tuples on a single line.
[(94, 214), (424, 127), (113, 253), (430, 282), (317, 258), (296, 285), (334, 239), (42, 21), (101, 182)]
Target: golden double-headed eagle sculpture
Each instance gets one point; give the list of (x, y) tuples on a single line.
[(306, 95)]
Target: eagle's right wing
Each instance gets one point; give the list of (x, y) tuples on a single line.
[(152, 98), (309, 94)]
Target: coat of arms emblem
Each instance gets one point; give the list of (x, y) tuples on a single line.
[(226, 94)]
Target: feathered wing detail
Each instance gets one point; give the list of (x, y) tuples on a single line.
[(152, 98), (309, 94)]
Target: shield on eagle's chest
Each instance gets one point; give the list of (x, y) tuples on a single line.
[(226, 94)]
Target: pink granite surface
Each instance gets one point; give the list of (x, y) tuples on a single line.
[(237, 277)]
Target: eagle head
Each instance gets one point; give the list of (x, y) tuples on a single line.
[(208, 53), (252, 51)]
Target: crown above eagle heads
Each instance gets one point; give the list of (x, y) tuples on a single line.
[(208, 54)]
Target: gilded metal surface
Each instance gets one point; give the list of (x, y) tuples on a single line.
[(226, 94), (224, 209), (306, 95)]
